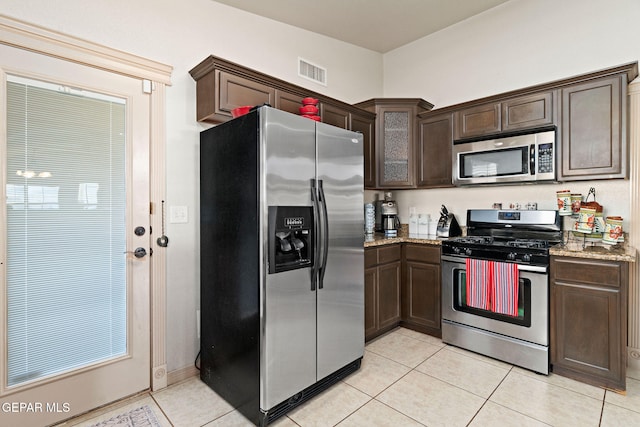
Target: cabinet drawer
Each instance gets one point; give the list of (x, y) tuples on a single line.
[(383, 255), (420, 253), (588, 272), (389, 254), (370, 257)]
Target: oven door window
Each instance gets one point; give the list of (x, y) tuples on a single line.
[(495, 163), (524, 300)]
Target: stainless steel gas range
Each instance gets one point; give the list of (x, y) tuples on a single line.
[(495, 285)]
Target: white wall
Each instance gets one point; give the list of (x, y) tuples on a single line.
[(518, 44), (182, 34)]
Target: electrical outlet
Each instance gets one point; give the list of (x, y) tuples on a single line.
[(198, 323)]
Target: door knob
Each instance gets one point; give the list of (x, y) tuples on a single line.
[(139, 231), (138, 252)]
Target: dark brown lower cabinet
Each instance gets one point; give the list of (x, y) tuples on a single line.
[(421, 289), (382, 271), (589, 320)]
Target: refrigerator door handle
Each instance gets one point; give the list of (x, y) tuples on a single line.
[(316, 232), (324, 237)]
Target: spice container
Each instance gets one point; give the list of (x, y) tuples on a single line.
[(564, 202), (576, 200), (613, 230)]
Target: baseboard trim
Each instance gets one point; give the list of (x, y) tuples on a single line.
[(633, 363), (182, 374)]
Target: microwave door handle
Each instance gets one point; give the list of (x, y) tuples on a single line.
[(532, 159)]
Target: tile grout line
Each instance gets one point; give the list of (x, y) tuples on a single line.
[(604, 398), (489, 397), (161, 409)]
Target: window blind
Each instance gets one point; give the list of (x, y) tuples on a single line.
[(66, 209)]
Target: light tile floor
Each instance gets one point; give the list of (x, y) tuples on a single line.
[(411, 379)]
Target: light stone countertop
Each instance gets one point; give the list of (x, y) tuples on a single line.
[(572, 247), (594, 250), (378, 239)]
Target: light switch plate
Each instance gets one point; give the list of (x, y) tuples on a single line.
[(178, 215)]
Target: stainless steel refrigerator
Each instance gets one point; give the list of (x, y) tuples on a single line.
[(282, 269)]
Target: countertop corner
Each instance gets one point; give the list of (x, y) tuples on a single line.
[(379, 239), (595, 250)]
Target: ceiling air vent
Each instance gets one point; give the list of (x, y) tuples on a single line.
[(312, 71)]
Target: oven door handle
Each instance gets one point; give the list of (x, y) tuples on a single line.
[(532, 268), (521, 267)]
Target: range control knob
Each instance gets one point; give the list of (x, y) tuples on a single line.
[(467, 252), (526, 258), (511, 256), (456, 250)]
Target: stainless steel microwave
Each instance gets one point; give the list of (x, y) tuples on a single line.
[(521, 158)]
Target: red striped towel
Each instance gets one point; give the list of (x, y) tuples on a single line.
[(492, 286), (479, 283), (504, 292)]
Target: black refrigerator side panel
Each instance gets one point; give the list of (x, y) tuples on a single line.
[(230, 263)]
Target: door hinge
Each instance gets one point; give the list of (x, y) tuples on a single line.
[(150, 208)]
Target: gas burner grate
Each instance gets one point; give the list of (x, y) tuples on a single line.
[(477, 240)]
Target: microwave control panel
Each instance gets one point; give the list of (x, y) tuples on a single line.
[(545, 158)]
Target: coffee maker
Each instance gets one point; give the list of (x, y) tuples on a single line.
[(387, 215)]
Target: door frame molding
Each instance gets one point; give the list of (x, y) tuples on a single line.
[(41, 40), (633, 332)]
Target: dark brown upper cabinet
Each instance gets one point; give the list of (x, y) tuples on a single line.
[(594, 129), (366, 126), (406, 145), (527, 111), (589, 112), (222, 85), (435, 136), (395, 139), (478, 120), (334, 115), (507, 115), (288, 102)]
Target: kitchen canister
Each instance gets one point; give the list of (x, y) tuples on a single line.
[(586, 220), (576, 200), (413, 221), (423, 223), (369, 218), (613, 230), (564, 202)]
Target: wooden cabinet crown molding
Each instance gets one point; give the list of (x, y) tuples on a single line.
[(419, 103), (212, 64), (630, 70)]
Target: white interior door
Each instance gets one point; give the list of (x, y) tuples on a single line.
[(75, 326)]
